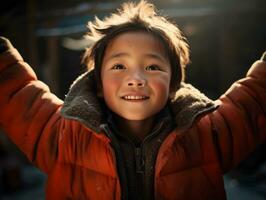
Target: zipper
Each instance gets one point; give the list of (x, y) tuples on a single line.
[(139, 160), (140, 164)]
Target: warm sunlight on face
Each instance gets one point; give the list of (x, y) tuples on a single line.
[(135, 75)]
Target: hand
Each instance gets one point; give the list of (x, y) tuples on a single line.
[(263, 57), (4, 44)]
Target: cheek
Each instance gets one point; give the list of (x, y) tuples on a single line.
[(110, 87), (161, 86)]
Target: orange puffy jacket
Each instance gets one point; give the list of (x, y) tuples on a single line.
[(64, 139)]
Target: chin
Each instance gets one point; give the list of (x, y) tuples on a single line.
[(135, 117)]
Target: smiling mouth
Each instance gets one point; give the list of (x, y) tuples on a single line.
[(135, 98)]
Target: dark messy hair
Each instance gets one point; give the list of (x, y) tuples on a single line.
[(137, 17)]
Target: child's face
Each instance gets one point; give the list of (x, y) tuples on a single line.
[(135, 75)]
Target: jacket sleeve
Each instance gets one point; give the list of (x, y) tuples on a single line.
[(239, 124), (29, 112)]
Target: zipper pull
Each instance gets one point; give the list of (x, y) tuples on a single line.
[(139, 160)]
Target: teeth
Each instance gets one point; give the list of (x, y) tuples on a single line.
[(134, 97)]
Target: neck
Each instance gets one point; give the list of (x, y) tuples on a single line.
[(137, 128)]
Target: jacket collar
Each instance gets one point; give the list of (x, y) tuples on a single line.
[(82, 104)]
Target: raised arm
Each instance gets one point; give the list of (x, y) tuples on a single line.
[(239, 124), (29, 112)]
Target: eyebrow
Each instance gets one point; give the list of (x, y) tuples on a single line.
[(149, 55)]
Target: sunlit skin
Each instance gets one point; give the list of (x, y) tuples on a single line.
[(135, 77)]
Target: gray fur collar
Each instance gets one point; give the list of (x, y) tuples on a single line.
[(82, 104)]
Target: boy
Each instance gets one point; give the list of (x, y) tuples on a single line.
[(130, 128)]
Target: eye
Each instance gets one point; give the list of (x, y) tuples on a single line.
[(152, 67), (118, 66)]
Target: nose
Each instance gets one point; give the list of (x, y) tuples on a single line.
[(136, 80)]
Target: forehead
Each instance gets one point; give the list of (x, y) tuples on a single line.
[(136, 42)]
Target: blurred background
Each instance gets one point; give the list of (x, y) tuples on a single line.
[(225, 37)]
